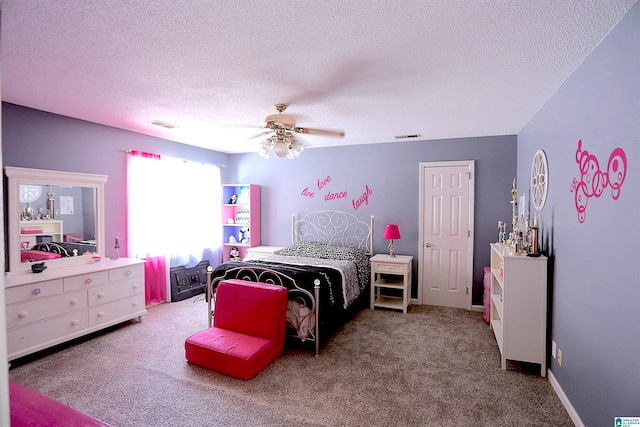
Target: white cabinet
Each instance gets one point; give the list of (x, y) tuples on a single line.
[(390, 281), (37, 231), (61, 304), (519, 306)]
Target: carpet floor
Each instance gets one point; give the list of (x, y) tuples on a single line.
[(430, 367)]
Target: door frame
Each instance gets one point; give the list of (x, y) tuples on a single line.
[(470, 165)]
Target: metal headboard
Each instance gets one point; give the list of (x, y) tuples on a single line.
[(335, 228)]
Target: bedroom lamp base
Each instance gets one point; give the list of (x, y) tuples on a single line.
[(392, 251)]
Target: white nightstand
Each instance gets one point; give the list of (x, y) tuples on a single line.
[(391, 274), (259, 252)]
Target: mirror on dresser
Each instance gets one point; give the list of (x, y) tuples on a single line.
[(53, 217)]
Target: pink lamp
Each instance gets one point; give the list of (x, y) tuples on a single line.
[(391, 232)]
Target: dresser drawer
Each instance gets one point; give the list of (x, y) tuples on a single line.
[(126, 272), (85, 280), (387, 267), (115, 291), (33, 291), (32, 311), (41, 332), (117, 310)]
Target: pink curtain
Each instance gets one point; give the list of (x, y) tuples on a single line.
[(155, 281), (143, 171)]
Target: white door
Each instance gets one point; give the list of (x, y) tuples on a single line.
[(445, 255)]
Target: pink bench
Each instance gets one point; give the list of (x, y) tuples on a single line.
[(248, 330), (29, 408)]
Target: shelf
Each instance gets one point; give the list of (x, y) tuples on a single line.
[(240, 220), (497, 303), (519, 306), (388, 302), (389, 283), (495, 272)]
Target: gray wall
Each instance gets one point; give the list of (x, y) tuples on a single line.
[(391, 172), (596, 291), (36, 139)]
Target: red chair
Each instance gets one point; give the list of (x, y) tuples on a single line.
[(248, 330)]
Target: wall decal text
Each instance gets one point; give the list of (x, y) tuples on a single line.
[(334, 196), (593, 181), (307, 193), (323, 182), (364, 199)]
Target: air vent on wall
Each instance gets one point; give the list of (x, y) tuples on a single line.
[(163, 124), (415, 135)]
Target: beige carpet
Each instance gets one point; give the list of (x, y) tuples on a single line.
[(430, 367)]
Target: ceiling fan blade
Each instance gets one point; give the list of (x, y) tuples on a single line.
[(261, 134), (338, 133)]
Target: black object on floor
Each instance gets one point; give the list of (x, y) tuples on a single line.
[(187, 282)]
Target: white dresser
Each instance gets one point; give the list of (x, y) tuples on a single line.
[(57, 305)]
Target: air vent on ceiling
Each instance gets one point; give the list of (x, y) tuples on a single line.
[(415, 135), (163, 124)]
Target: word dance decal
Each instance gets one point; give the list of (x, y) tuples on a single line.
[(593, 181), (329, 196)]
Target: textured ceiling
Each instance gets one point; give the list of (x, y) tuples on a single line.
[(375, 69)]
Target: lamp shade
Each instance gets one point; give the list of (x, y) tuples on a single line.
[(391, 232)]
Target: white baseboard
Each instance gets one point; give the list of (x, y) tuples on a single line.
[(564, 399)]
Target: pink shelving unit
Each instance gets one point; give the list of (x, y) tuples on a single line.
[(240, 219)]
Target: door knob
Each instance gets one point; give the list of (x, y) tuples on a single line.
[(429, 245)]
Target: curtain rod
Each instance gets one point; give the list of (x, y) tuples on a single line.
[(130, 150)]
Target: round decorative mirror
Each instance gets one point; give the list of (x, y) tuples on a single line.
[(539, 179), (29, 193)]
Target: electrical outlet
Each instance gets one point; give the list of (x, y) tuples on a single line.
[(559, 357), (554, 349)]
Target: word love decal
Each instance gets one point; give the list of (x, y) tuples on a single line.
[(329, 196)]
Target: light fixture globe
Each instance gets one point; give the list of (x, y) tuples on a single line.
[(280, 149)]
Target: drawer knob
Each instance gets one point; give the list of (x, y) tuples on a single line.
[(100, 294), (128, 273), (87, 280), (23, 314), (135, 303), (135, 286), (74, 301), (37, 291), (101, 314), (74, 322)]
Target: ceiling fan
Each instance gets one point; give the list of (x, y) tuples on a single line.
[(282, 141)]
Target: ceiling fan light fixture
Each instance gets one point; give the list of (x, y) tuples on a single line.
[(282, 142)]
